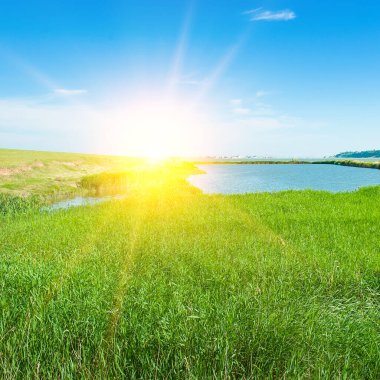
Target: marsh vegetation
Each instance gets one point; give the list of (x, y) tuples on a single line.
[(173, 283)]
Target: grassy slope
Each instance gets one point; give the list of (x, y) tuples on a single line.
[(170, 283), (51, 174)]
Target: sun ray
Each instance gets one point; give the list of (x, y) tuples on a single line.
[(220, 69), (26, 68), (175, 72)]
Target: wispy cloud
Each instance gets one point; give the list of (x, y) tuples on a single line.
[(241, 111), (190, 80), (236, 102), (117, 128), (242, 107), (260, 14), (69, 92), (270, 122), (55, 124), (261, 93), (37, 116), (238, 108), (253, 114)]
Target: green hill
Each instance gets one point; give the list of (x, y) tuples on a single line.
[(362, 154)]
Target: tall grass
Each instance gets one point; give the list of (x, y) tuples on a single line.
[(140, 178), (107, 182), (254, 162), (358, 164), (12, 205), (173, 284), (51, 174)]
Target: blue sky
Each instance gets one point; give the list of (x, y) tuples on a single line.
[(268, 78)]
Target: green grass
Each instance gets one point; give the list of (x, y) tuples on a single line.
[(354, 163), (14, 205), (56, 176), (53, 175), (342, 162), (254, 162), (172, 283)]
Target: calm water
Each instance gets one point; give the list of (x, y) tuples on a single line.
[(80, 201), (237, 179)]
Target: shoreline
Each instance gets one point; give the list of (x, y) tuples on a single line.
[(351, 163)]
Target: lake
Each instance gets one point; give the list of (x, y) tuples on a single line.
[(239, 179)]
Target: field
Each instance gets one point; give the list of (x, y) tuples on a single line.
[(170, 283)]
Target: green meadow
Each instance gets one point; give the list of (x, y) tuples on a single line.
[(170, 283)]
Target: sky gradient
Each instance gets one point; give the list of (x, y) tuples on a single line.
[(266, 78)]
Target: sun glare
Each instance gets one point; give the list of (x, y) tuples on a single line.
[(158, 129)]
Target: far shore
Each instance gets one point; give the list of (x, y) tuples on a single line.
[(359, 163)]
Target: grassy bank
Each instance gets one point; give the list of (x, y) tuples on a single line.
[(358, 164), (139, 178), (341, 162), (171, 283), (253, 162), (53, 175)]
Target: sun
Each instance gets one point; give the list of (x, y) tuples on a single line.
[(160, 128)]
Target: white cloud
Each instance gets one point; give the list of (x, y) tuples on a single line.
[(262, 15), (249, 107), (261, 109), (238, 107), (252, 114), (121, 128), (30, 116), (241, 111), (69, 92), (192, 79)]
